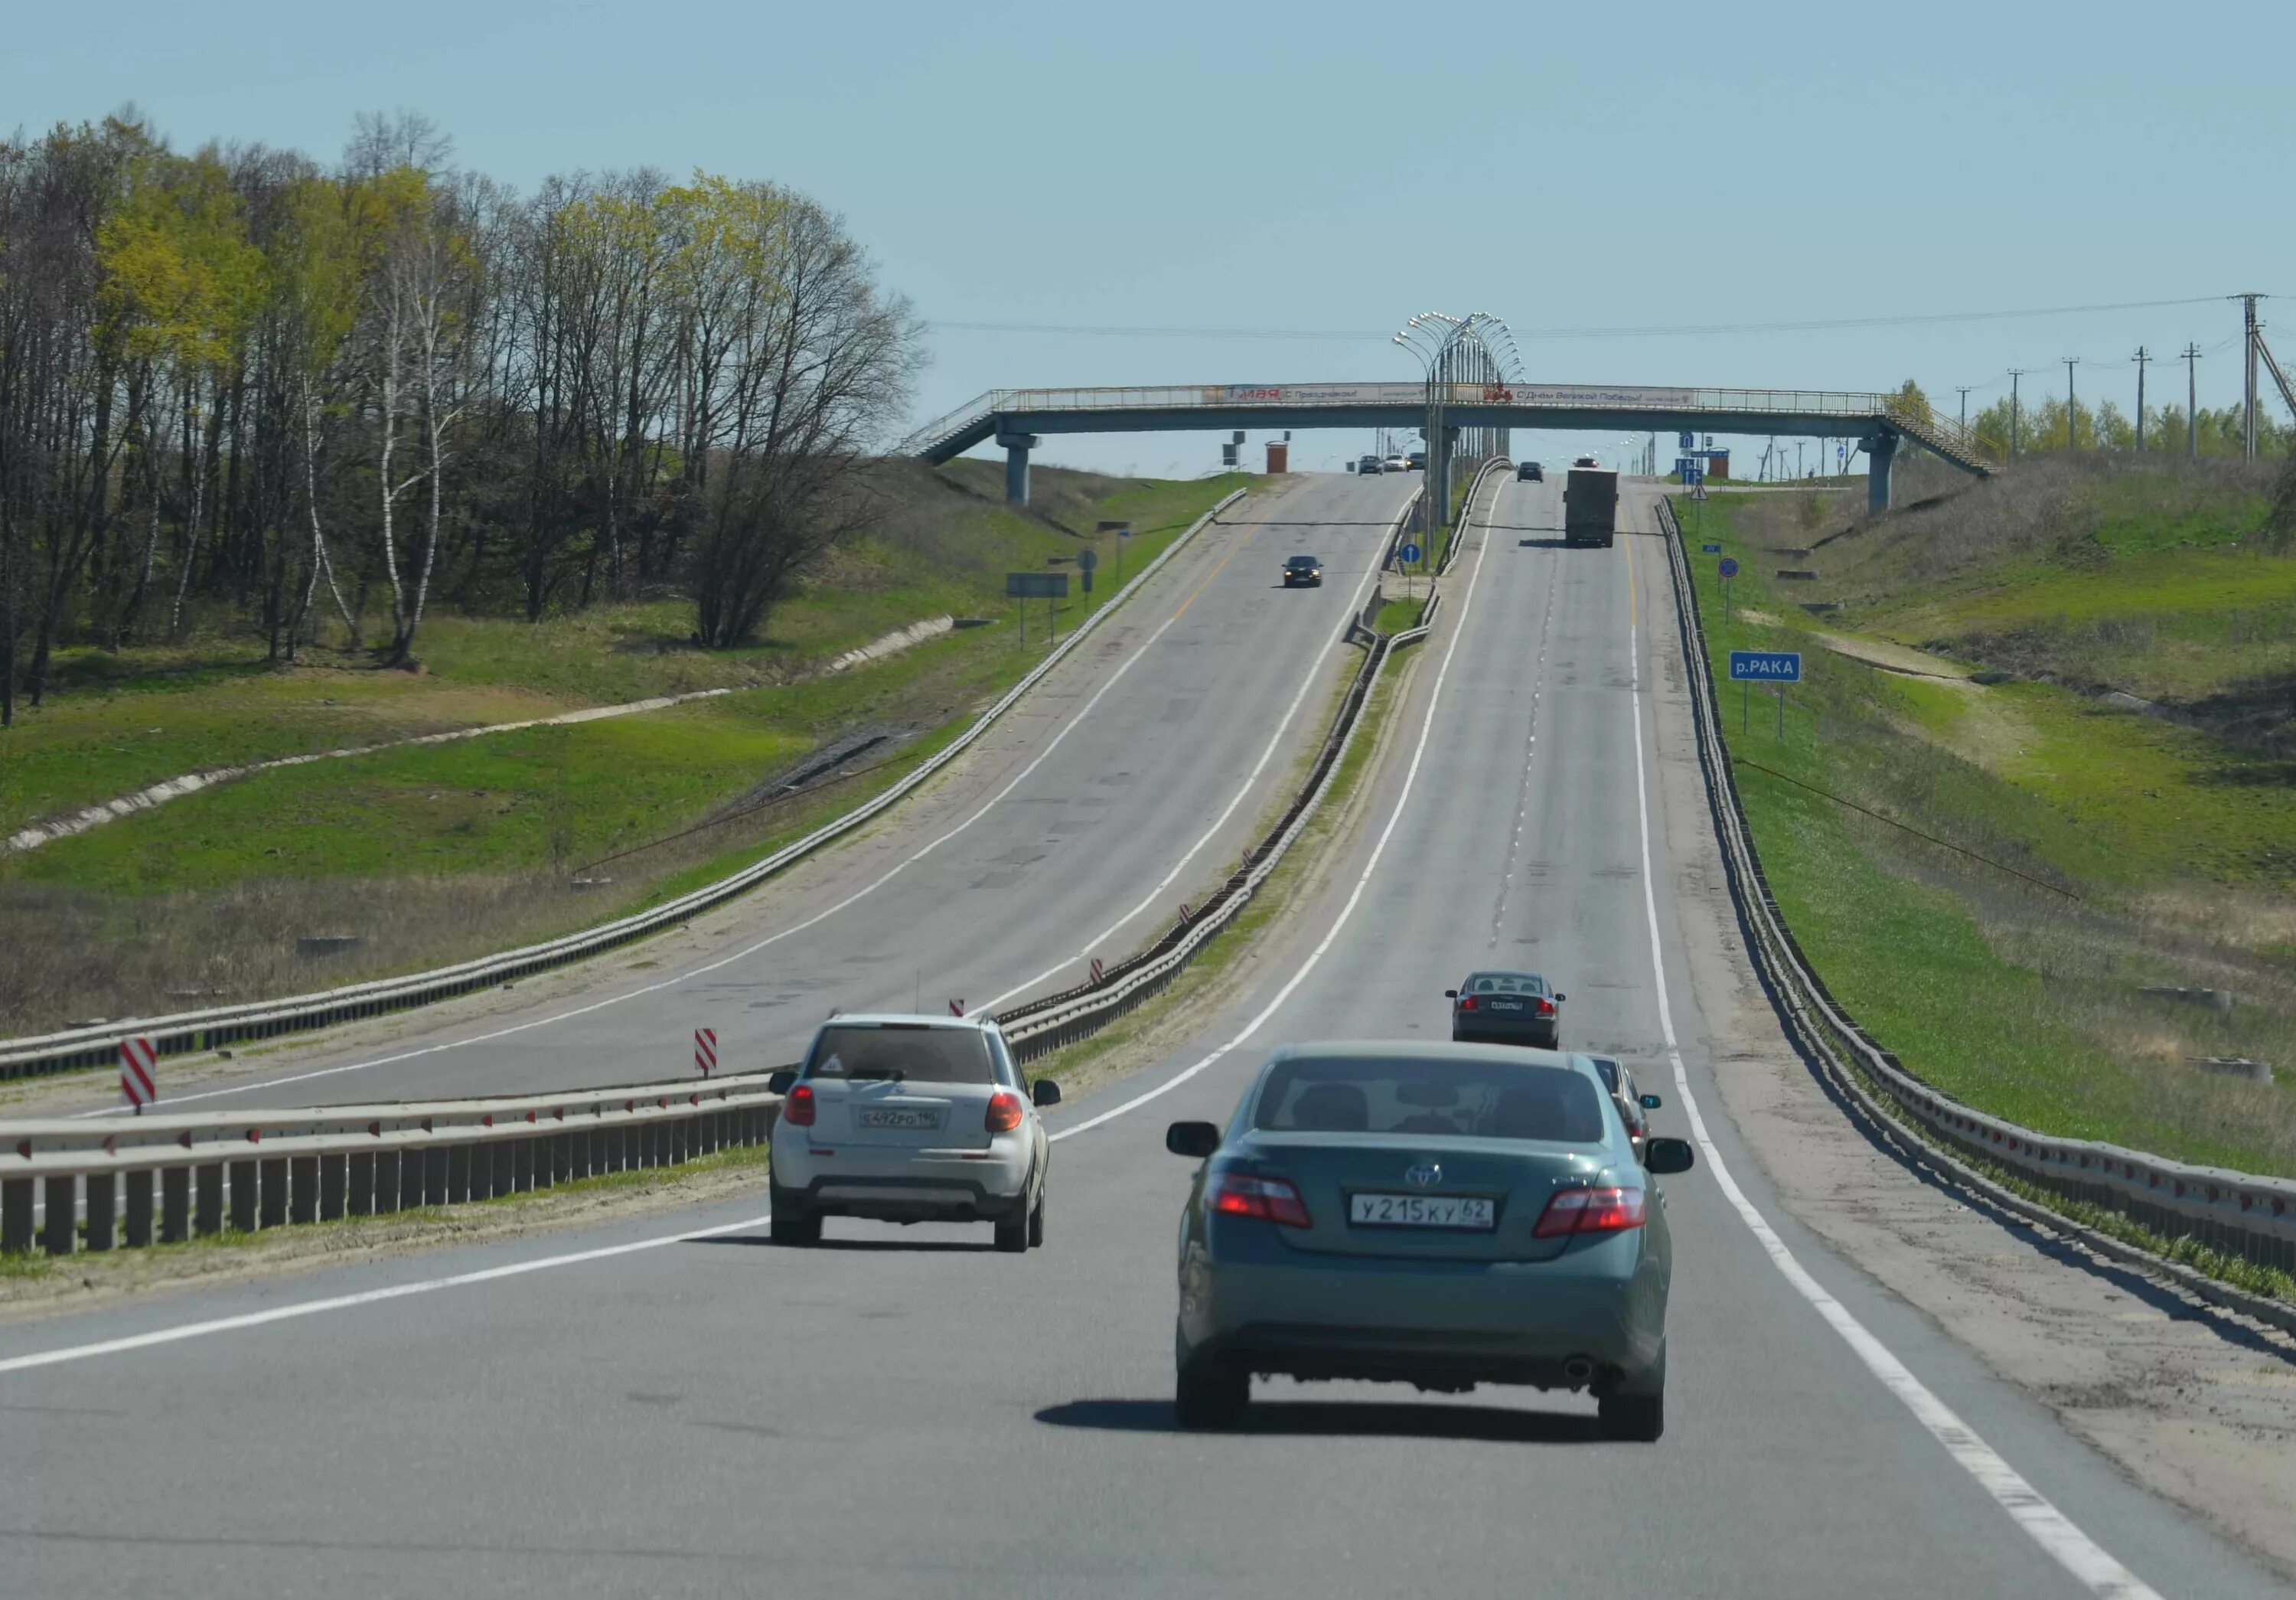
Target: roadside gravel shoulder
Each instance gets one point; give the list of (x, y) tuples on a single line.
[(2196, 1406)]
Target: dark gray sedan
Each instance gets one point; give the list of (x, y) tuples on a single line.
[(1442, 1216), (1506, 1008)]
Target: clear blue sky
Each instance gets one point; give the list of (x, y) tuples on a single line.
[(1338, 167)]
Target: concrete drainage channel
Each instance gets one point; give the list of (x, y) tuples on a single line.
[(187, 1176), (2236, 1213)]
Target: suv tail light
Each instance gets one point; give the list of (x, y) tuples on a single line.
[(1590, 1211), (797, 1106), (1267, 1199), (1004, 1111)]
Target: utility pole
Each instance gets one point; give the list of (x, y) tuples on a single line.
[(2192, 403), (2248, 388), (1964, 388), (2143, 355), (2015, 373), (2072, 417)]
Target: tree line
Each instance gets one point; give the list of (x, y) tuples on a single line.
[(237, 382), (2048, 423)]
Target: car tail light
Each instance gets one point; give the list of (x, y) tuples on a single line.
[(1546, 1008), (1466, 1001), (1267, 1199), (797, 1107), (1590, 1211), (1004, 1111)]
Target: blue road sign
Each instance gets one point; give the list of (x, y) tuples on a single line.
[(1729, 567), (1711, 549), (1408, 554), (1684, 441), (1765, 666), (1693, 474)]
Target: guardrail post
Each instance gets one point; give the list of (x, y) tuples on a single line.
[(16, 1215), (63, 1213), (562, 1157), (502, 1167), (334, 1183), (448, 1176), (102, 1199), (387, 1183), (138, 1232), (359, 1173), (271, 1192), (533, 1163), (303, 1189), (681, 1136), (174, 1207), (612, 1148), (582, 1146)]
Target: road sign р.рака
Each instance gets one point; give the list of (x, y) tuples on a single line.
[(1765, 666), (1711, 549)]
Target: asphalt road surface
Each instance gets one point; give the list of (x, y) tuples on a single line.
[(1130, 780), (903, 1413)]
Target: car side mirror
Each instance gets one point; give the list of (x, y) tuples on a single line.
[(1560, 996), (1450, 994), (1664, 1156), (1195, 1140), (1046, 1092), (1651, 1103), (779, 1081)]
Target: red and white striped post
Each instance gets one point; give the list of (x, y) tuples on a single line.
[(956, 1008), (705, 1050), (1098, 970), (139, 1072)]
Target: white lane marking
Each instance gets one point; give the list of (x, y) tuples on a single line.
[(1362, 879), (2048, 1527), (1315, 675), (691, 973), (366, 1297)]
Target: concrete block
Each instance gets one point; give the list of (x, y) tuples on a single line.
[(246, 1198), (17, 1199), (61, 1233), (358, 1174), (139, 1208), (102, 1208), (303, 1189)]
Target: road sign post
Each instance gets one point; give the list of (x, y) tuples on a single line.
[(1729, 569), (1086, 560), (1025, 586), (1751, 667), (1123, 531)]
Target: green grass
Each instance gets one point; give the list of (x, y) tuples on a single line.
[(2016, 999), (1404, 612), (541, 797)]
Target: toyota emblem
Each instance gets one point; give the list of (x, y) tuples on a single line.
[(1426, 1175)]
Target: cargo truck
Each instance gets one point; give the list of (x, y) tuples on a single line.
[(1590, 506)]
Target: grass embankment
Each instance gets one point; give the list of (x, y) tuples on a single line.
[(2175, 851), (434, 853)]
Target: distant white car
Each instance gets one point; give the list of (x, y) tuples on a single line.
[(1397, 463), (910, 1119)]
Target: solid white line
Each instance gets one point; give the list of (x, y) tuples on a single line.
[(366, 1297), (2048, 1527), (691, 973), (1315, 675), (1362, 879)]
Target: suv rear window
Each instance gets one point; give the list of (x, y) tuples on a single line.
[(1406, 1094), (911, 1053)]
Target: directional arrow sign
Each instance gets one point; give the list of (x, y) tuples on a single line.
[(1765, 666)]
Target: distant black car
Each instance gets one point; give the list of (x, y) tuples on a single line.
[(1306, 570), (1505, 1008), (1419, 461), (1530, 473)]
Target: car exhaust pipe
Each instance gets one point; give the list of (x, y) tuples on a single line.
[(1579, 1370)]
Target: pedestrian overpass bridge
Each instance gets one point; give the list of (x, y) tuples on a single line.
[(1017, 419)]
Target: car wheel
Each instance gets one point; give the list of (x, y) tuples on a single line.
[(1037, 1223), (792, 1223), (1210, 1394), (1012, 1232)]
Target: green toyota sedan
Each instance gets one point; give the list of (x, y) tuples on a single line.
[(1437, 1215)]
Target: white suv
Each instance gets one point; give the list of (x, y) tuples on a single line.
[(910, 1119)]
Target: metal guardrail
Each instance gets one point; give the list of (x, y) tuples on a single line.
[(2237, 1213), (211, 1028), (263, 1169)]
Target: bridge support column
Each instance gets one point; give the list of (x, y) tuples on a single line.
[(1016, 448), (1880, 460)]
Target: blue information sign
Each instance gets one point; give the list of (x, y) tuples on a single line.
[(1408, 554), (1684, 441), (1765, 666), (1693, 473), (1729, 567), (1710, 549)]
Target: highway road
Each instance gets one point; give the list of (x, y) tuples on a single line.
[(1129, 781), (679, 1408)]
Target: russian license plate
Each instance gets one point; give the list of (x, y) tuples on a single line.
[(907, 1118), (1505, 1004), (1422, 1210)]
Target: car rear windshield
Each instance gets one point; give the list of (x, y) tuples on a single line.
[(1411, 1095), (913, 1053), (1506, 983), (1303, 560)]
